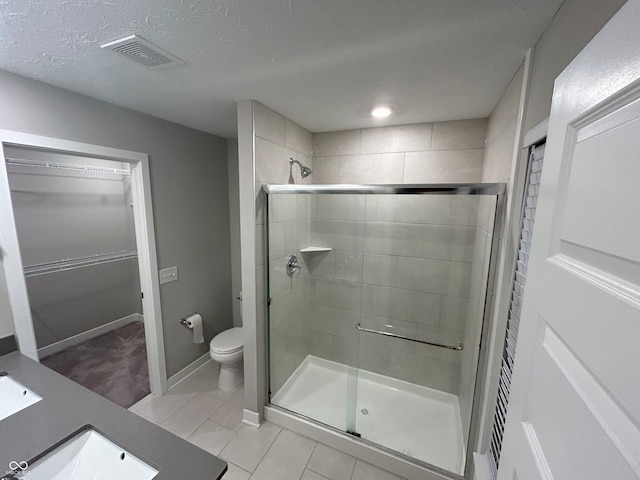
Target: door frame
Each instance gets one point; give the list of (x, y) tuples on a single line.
[(145, 244)]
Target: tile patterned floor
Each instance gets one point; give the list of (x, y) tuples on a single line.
[(212, 419)]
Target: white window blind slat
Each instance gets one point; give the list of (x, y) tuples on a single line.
[(536, 156)]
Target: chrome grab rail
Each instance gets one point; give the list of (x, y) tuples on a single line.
[(459, 347)]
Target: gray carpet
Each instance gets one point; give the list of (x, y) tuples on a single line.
[(113, 365)]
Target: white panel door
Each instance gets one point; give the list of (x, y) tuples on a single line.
[(574, 411)]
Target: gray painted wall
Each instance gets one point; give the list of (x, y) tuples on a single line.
[(189, 190), (575, 24)]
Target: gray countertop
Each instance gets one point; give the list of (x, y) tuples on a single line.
[(67, 407)]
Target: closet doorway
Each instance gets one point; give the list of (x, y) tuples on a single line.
[(79, 257)]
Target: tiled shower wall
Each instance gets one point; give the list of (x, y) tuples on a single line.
[(400, 264), (403, 262), (399, 261), (438, 152), (276, 140)]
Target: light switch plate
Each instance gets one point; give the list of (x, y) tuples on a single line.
[(168, 275)]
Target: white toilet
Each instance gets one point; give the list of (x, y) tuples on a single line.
[(227, 349)]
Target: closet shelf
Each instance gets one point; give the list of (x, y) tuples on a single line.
[(35, 167), (313, 249), (79, 262)]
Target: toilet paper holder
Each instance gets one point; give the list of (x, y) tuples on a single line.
[(183, 321)]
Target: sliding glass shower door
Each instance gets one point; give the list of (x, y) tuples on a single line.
[(376, 301), (314, 289)]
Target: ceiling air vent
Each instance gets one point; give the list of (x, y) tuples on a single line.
[(138, 49)]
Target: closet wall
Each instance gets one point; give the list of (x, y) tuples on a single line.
[(65, 215)]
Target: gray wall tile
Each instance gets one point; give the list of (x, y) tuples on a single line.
[(341, 207), (374, 168), (464, 209), (434, 276), (454, 313), (297, 138), (325, 170), (461, 134), (346, 142), (448, 242), (447, 166), (337, 234), (394, 239), (272, 162), (269, 124), (402, 138), (408, 305), (409, 209), (380, 270)]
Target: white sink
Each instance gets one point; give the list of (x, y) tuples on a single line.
[(14, 397), (88, 456)]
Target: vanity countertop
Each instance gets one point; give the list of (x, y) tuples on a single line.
[(67, 407)]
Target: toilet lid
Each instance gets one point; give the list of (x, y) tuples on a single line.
[(229, 341)]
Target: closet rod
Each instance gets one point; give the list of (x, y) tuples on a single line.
[(17, 162), (79, 262)]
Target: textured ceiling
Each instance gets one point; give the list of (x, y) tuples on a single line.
[(322, 63)]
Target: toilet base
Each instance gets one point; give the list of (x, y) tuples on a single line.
[(231, 375)]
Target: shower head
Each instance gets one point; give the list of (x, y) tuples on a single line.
[(304, 170)]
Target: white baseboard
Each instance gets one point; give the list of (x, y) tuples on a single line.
[(188, 370), (251, 418), (352, 446), (84, 336)]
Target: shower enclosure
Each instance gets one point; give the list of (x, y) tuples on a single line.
[(375, 299)]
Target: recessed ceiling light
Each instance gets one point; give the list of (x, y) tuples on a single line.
[(381, 112)]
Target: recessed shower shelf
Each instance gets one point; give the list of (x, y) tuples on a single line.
[(315, 249)]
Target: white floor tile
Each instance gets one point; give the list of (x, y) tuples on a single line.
[(311, 475), (235, 473), (160, 408), (192, 414), (249, 445), (366, 471), (205, 378), (230, 413), (223, 395), (211, 437), (286, 459), (331, 463)]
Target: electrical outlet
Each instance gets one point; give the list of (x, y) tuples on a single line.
[(168, 275)]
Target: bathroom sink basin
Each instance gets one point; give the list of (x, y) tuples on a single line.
[(88, 455), (14, 396)]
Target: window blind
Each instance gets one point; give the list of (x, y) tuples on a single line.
[(532, 185)]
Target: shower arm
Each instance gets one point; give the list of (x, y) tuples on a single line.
[(304, 170)]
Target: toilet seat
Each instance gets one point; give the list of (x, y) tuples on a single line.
[(228, 342)]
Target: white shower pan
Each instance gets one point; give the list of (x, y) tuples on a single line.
[(89, 456), (15, 396), (417, 421)]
